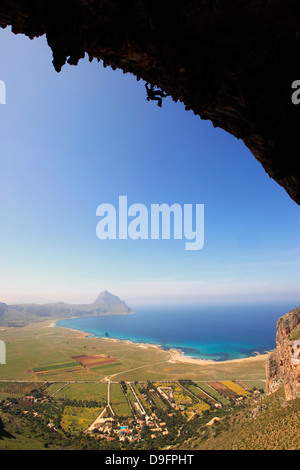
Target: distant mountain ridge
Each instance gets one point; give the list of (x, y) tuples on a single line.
[(21, 314)]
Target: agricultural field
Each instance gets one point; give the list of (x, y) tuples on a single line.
[(214, 393), (223, 389), (129, 395), (130, 391), (96, 362), (236, 388), (79, 391), (139, 388), (52, 389), (116, 393), (77, 419), (121, 410), (118, 401), (196, 390), (65, 366)]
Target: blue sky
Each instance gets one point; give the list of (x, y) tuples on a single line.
[(74, 140)]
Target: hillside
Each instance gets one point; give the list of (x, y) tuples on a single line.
[(22, 314), (272, 424)]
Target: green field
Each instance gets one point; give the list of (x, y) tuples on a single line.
[(214, 394), (78, 419), (80, 391), (118, 401), (137, 388), (55, 366), (116, 394), (130, 395)]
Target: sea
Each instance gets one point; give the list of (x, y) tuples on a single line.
[(216, 332)]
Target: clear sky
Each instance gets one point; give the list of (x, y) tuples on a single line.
[(74, 140)]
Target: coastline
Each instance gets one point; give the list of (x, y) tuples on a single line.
[(177, 356)]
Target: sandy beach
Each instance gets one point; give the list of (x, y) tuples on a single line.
[(82, 334), (178, 356)]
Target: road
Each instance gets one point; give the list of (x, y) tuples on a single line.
[(109, 377)]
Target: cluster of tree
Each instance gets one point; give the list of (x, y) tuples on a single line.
[(83, 403), (37, 427), (124, 387), (165, 401)]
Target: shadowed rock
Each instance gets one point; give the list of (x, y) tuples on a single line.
[(231, 62)]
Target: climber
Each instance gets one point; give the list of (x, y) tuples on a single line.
[(155, 95)]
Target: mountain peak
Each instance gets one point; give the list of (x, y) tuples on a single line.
[(106, 297), (110, 301)]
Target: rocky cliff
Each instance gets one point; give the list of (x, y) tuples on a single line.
[(283, 365), (230, 61)]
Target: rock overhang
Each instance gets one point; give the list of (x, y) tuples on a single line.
[(231, 62)]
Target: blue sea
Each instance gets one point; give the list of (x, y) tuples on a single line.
[(213, 331)]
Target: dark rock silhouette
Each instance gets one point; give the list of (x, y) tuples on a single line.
[(231, 62)]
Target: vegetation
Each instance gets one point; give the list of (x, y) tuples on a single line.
[(214, 394), (79, 391), (272, 424), (295, 335), (41, 421), (77, 419), (53, 367), (119, 402)]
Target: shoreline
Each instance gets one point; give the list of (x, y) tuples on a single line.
[(177, 356)]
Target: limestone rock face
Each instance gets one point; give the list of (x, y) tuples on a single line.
[(283, 365), (232, 62)]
